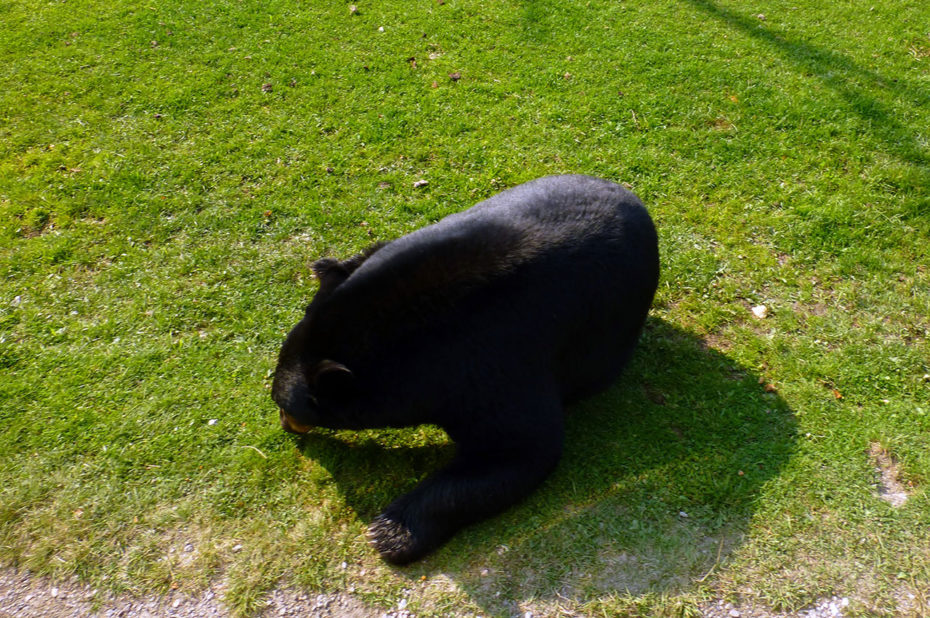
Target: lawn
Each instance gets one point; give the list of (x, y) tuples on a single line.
[(169, 170)]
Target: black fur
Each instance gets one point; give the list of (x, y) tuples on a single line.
[(486, 323)]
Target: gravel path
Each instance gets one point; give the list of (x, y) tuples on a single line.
[(826, 608), (22, 596)]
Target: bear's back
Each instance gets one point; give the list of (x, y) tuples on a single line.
[(557, 273)]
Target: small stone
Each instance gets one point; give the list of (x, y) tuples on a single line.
[(212, 421), (267, 87), (420, 183), (734, 613), (176, 603), (237, 548), (189, 548), (54, 592), (760, 311), (455, 76)]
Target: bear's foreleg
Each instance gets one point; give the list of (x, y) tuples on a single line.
[(484, 479)]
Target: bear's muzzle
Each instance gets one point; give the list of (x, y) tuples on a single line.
[(292, 426)]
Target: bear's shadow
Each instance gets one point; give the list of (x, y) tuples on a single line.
[(657, 482)]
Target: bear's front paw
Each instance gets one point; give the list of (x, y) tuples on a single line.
[(395, 541)]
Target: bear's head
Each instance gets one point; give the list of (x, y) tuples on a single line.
[(311, 391), (310, 388)]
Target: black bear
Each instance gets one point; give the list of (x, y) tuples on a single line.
[(486, 324)]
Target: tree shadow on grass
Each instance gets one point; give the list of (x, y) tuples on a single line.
[(852, 82), (660, 476)]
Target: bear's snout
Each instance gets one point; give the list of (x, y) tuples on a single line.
[(290, 425)]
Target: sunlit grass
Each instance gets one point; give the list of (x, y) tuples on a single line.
[(167, 173)]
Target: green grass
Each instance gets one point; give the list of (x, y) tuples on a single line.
[(159, 207)]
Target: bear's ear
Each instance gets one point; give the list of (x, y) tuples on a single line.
[(333, 380), (330, 272)]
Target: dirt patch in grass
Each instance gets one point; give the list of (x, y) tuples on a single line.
[(890, 489)]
